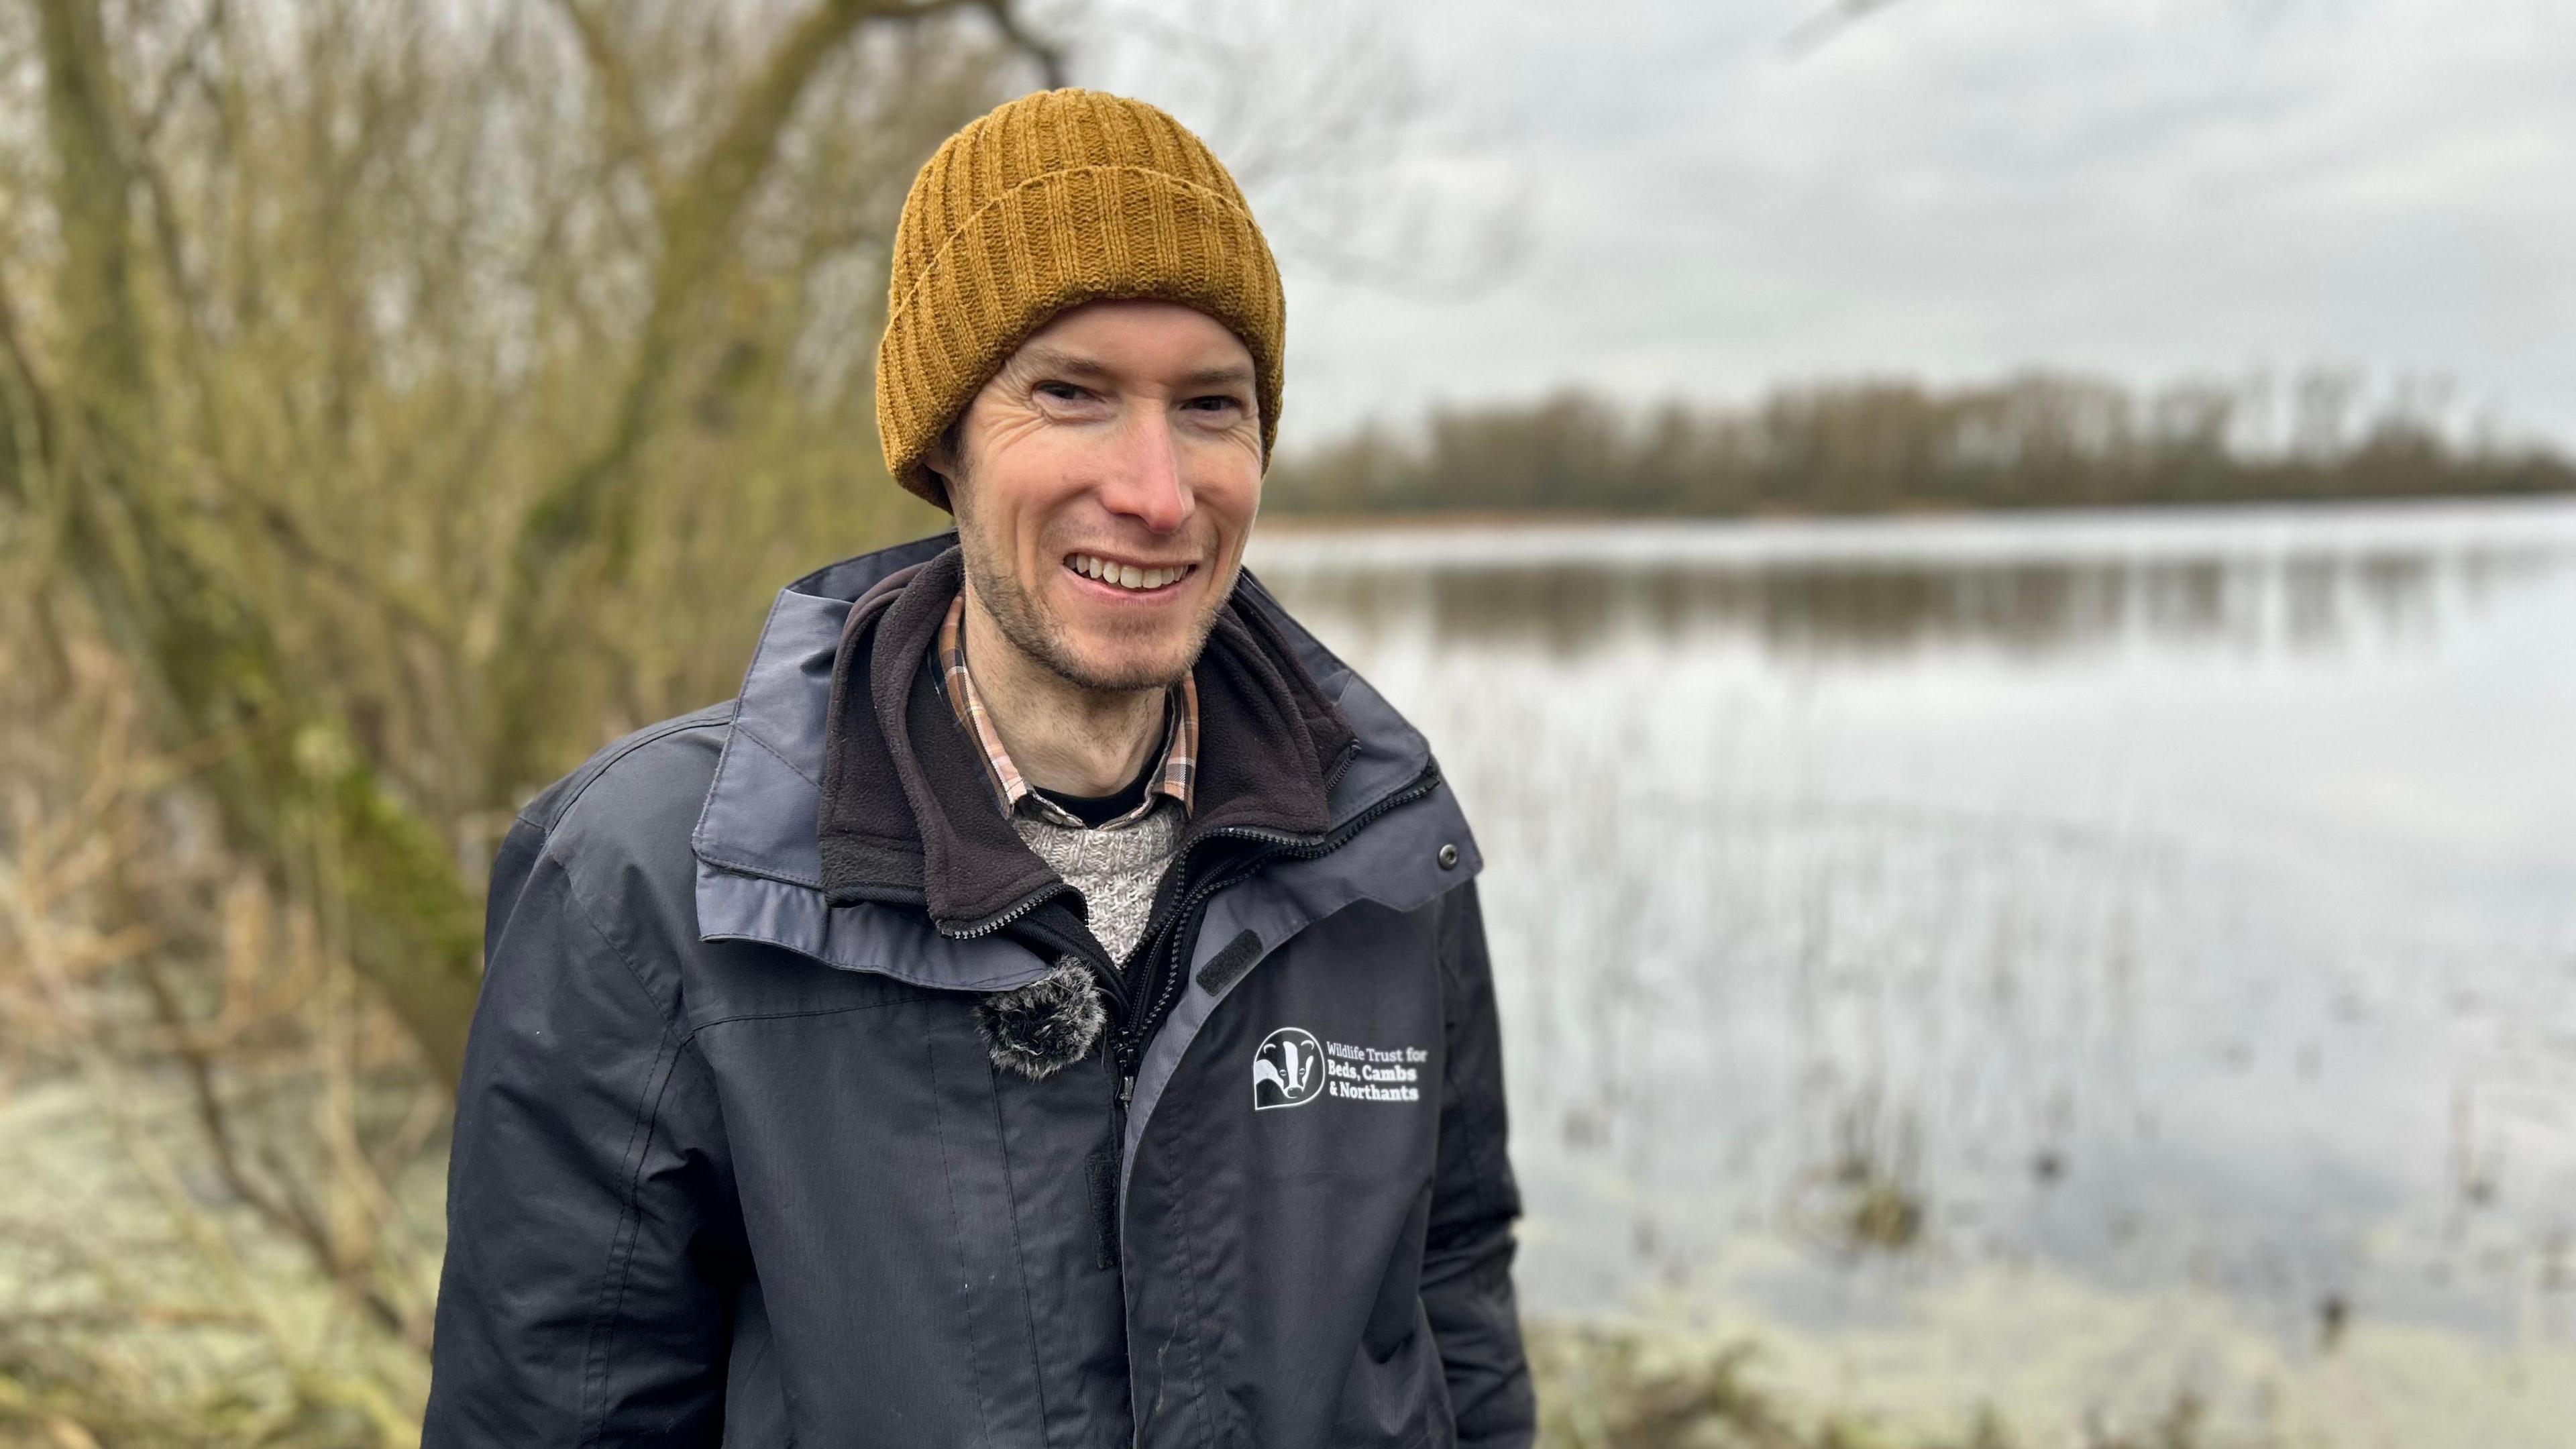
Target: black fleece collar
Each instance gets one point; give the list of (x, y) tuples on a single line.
[(906, 814)]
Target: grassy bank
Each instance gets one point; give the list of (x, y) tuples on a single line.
[(1603, 1388), (1598, 1389)]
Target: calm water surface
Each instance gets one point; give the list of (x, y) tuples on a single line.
[(1915, 932)]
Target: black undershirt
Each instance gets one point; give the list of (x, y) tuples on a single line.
[(1098, 810)]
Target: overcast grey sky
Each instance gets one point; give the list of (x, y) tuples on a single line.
[(1950, 188)]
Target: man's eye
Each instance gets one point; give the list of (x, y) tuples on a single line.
[(1061, 391), (1215, 403)]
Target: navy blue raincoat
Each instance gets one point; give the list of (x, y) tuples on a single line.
[(735, 1161)]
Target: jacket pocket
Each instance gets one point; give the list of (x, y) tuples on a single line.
[(1395, 1393), (1399, 1401)]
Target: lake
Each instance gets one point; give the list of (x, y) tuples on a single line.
[(2062, 961)]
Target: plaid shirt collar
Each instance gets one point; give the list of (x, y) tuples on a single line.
[(1176, 779)]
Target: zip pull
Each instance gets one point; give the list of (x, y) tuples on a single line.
[(1126, 1089)]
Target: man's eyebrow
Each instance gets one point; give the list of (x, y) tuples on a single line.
[(1231, 374), (1067, 363), (1057, 359)]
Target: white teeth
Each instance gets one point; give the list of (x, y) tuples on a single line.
[(1126, 576)]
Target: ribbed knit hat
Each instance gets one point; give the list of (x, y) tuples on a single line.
[(1044, 203)]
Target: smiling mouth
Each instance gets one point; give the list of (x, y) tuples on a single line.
[(1133, 578)]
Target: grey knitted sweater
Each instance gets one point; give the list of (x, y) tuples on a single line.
[(1116, 866)]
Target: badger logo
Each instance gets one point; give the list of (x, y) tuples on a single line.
[(1288, 1070)]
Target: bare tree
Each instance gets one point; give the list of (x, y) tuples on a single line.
[(342, 398), (395, 403)]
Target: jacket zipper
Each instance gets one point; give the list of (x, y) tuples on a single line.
[(990, 924), (1126, 1044), (1161, 988), (1124, 1048)]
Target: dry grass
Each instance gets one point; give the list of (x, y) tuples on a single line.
[(1602, 1388), (216, 1247)]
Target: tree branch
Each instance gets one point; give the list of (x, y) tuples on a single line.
[(699, 219), (622, 126), (207, 660), (1047, 55), (1810, 34), (190, 66)]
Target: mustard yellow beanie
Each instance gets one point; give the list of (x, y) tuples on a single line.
[(1044, 203)]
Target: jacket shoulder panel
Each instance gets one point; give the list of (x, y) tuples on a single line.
[(548, 806), (617, 831)]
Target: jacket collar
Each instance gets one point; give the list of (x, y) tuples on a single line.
[(760, 867), (906, 815)]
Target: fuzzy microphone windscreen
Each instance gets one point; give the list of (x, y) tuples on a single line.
[(1051, 1023)]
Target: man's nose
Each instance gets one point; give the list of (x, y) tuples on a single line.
[(1146, 482)]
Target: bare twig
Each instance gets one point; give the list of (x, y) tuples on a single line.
[(628, 138), (1047, 55), (1810, 34), (190, 66)]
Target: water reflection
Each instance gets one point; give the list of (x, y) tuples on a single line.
[(1831, 607), (2220, 939)]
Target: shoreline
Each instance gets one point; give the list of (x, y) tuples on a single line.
[(2484, 524), (1344, 521)]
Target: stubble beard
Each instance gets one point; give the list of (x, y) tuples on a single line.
[(1033, 629)]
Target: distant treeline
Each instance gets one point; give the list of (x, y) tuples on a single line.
[(2037, 440)]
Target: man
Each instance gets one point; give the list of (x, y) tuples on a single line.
[(1049, 1006)]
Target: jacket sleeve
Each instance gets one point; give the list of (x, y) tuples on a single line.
[(1467, 1258), (592, 1246)]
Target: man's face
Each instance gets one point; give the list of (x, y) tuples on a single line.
[(1109, 477)]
